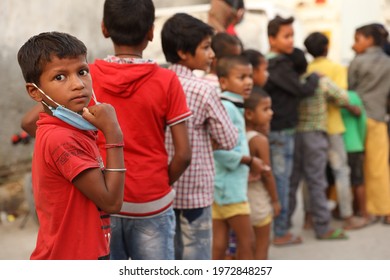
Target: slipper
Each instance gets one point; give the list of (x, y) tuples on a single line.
[(292, 240), (334, 234)]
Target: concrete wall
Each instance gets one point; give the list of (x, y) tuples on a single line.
[(19, 20)]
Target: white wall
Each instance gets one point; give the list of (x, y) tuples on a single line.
[(19, 20), (355, 13)]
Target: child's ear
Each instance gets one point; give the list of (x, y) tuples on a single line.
[(150, 34), (33, 92), (271, 41), (104, 30), (183, 55), (222, 83), (248, 114)]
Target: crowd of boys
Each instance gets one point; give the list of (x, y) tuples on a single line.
[(166, 164)]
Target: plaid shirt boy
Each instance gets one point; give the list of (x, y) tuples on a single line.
[(313, 110)]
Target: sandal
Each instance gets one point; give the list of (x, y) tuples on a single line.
[(355, 223), (334, 234), (288, 239)]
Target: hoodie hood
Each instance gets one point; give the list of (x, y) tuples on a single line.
[(120, 79)]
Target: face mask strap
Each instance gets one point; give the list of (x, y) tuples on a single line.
[(48, 97), (94, 97)]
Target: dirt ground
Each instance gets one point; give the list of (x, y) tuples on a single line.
[(18, 237), (17, 242)]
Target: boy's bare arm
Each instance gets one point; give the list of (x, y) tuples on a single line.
[(29, 120), (262, 146), (105, 189), (182, 152)]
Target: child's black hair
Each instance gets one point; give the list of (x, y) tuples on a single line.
[(128, 21), (385, 35), (298, 60), (257, 94), (316, 44), (40, 49), (275, 24), (235, 4), (183, 32), (255, 57), (226, 63), (222, 42), (372, 30)]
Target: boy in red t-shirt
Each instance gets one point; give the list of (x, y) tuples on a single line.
[(148, 100), (72, 189)]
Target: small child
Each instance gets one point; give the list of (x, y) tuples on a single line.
[(317, 44), (259, 64), (262, 194), (222, 44), (310, 151), (186, 43), (354, 138), (72, 189), (230, 208)]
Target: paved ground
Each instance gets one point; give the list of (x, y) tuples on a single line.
[(17, 243), (370, 243)]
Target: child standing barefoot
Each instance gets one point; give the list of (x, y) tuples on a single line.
[(262, 193)]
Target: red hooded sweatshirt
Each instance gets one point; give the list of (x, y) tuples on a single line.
[(147, 99)]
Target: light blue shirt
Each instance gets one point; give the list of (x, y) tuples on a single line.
[(231, 178)]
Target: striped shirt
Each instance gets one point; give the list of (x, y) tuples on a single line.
[(195, 188)]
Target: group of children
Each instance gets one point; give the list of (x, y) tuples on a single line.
[(223, 165)]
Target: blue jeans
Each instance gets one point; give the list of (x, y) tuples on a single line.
[(193, 234), (143, 239), (282, 151)]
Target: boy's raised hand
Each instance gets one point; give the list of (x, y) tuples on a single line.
[(102, 116)]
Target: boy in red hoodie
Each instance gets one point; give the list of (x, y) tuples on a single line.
[(147, 100)]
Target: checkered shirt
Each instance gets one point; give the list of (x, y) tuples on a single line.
[(313, 110), (195, 188)]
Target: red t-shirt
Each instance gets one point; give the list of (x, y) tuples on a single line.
[(71, 225), (147, 99)]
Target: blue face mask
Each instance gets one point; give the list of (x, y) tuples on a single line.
[(68, 116)]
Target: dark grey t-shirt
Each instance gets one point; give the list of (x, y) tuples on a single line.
[(369, 76)]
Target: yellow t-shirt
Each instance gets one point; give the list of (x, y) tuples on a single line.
[(338, 74)]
